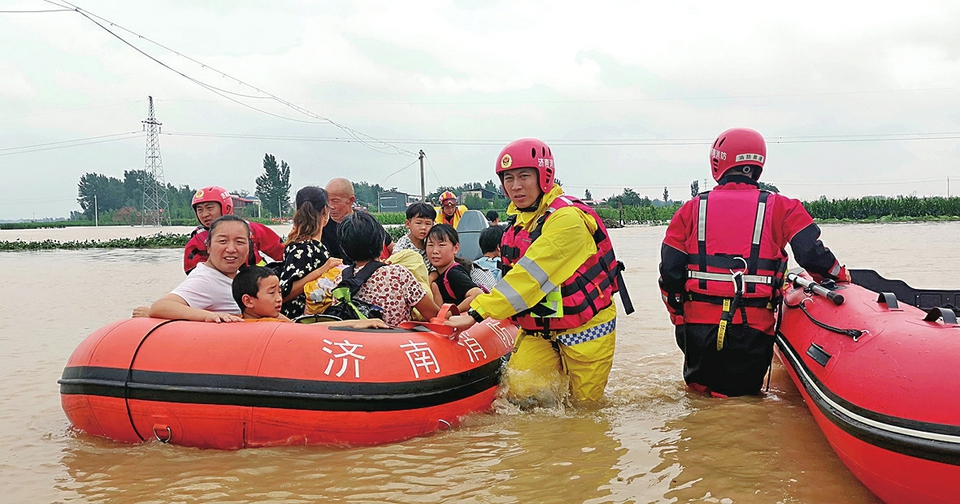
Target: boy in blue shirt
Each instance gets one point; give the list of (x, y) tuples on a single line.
[(490, 247)]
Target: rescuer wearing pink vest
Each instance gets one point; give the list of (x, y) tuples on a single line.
[(722, 265), (559, 288)]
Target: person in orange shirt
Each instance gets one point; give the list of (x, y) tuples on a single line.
[(256, 290)]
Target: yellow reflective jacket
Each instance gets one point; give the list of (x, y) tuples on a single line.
[(456, 216), (564, 245)]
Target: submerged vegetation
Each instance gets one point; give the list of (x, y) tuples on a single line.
[(158, 240), (869, 209)]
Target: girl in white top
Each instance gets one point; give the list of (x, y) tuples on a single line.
[(206, 294)]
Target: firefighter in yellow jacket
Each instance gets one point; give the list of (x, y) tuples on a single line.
[(449, 212), (559, 288)]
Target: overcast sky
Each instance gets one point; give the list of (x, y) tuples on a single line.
[(853, 99)]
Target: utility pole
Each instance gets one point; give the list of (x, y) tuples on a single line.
[(423, 190), (154, 188), (948, 187), (96, 212)]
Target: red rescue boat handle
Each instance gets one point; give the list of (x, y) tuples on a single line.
[(436, 323)]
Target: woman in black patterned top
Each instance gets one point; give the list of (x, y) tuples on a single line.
[(304, 257)]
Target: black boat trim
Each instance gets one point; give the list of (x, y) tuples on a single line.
[(924, 440), (285, 393)]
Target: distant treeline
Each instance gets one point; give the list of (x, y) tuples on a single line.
[(862, 209)]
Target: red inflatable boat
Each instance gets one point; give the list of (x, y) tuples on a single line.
[(879, 368), (237, 385)]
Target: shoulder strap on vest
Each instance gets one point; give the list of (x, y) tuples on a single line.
[(561, 201), (757, 235), (702, 233)]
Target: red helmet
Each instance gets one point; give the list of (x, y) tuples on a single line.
[(737, 147), (446, 196), (528, 153), (216, 194)]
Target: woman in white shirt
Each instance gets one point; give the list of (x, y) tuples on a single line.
[(206, 294)]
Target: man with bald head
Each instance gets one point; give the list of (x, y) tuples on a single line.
[(340, 200)]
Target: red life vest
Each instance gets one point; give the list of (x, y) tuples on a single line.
[(727, 246), (590, 288)]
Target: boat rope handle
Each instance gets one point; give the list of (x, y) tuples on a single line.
[(853, 333)]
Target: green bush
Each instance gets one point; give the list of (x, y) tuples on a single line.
[(158, 240)]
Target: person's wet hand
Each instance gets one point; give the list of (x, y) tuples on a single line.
[(221, 317), (460, 322), (373, 323), (844, 275)]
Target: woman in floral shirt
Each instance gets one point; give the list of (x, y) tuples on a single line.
[(304, 257), (392, 287)]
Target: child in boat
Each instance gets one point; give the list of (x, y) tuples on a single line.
[(392, 287), (490, 248), (420, 217), (453, 283), (256, 290)]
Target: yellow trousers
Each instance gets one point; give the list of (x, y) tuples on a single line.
[(539, 372)]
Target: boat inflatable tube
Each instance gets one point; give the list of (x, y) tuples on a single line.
[(237, 385), (880, 378)]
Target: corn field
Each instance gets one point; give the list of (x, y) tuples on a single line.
[(640, 214), (899, 208)]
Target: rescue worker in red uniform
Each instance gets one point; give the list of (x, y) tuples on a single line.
[(722, 266), (212, 202), (559, 287)]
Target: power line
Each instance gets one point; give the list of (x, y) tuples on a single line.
[(64, 111), (364, 139), (643, 100), (64, 144), (400, 170), (33, 11), (599, 142)]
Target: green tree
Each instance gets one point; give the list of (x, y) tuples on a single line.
[(98, 191), (134, 182), (273, 186), (694, 188), (666, 195), (587, 195), (475, 203), (769, 187), (368, 195), (630, 197), (494, 187)]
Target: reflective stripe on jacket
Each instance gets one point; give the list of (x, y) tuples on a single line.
[(584, 292)]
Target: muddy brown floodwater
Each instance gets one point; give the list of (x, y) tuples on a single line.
[(648, 441)]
